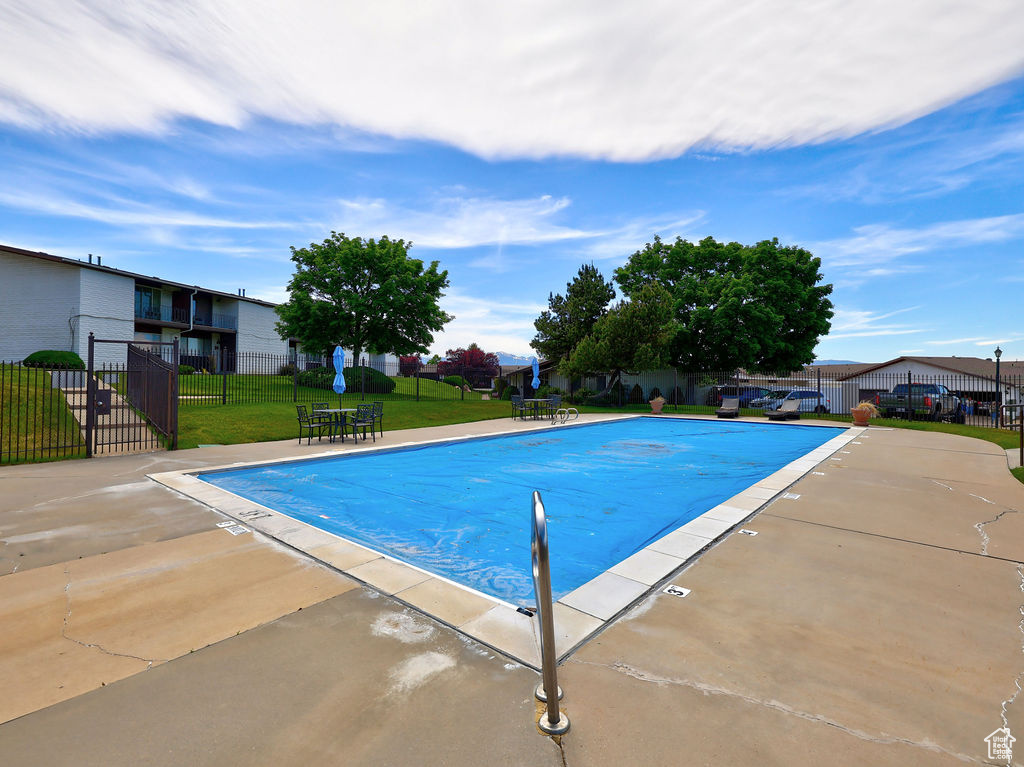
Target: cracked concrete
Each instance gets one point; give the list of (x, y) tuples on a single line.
[(860, 626)]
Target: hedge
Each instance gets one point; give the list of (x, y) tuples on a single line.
[(323, 378), (50, 358)]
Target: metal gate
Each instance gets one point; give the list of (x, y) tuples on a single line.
[(132, 406)]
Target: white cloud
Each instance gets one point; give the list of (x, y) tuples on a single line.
[(624, 81), (874, 245), (859, 323), (460, 222), (505, 326)]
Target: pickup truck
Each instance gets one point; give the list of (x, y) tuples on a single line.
[(929, 401)]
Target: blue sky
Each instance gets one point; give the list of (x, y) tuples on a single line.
[(512, 145)]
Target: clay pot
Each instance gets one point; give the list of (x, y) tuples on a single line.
[(657, 404), (860, 416)]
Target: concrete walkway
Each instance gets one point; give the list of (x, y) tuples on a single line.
[(875, 619)]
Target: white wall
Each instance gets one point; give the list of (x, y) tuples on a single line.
[(107, 308), (256, 333), (38, 299)]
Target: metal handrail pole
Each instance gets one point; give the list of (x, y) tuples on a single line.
[(553, 722)]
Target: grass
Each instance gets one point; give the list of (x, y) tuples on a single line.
[(272, 388), (35, 421), (237, 424)]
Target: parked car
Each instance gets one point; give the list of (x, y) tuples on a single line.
[(810, 400), (931, 401), (745, 393)]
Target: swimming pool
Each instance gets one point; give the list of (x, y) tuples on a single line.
[(461, 509)]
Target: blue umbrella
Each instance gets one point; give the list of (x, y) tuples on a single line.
[(339, 369), (536, 372)]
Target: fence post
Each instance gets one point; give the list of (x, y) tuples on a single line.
[(90, 412), (675, 388), (910, 401), (462, 389), (174, 394), (295, 380), (417, 373), (819, 389), (362, 381), (223, 386)]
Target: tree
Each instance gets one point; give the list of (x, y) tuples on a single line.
[(365, 295), (434, 360), (632, 337), (568, 319), (759, 307), (408, 365), (474, 364)]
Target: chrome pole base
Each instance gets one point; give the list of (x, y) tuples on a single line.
[(542, 696), (559, 728)]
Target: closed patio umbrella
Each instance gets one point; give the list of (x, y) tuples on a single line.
[(536, 373), (339, 369)]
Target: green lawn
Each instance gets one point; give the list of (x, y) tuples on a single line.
[(235, 424), (199, 388), (35, 422)]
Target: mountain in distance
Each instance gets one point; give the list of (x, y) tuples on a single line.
[(836, 362), (504, 358)]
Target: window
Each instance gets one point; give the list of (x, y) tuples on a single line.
[(147, 303)]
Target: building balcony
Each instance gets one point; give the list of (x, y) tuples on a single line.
[(218, 321), (162, 314), (166, 315)]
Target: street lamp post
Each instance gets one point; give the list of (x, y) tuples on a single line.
[(999, 391)]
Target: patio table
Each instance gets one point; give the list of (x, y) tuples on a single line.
[(335, 412), (535, 405)]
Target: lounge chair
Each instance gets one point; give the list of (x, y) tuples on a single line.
[(790, 409), (310, 424), (730, 407)]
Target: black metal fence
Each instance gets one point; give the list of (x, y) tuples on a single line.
[(975, 399), (253, 378), (39, 413)]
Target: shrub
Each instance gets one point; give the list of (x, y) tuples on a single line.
[(510, 390), (287, 369), (186, 370), (323, 378), (675, 397), (636, 395), (654, 394), (50, 358), (458, 381), (499, 387), (581, 395), (547, 391)]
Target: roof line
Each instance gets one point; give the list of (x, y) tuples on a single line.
[(111, 270)]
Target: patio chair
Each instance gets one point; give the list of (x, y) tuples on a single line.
[(551, 406), (730, 407), (518, 406), (378, 416), (790, 409), (364, 418), (309, 424)]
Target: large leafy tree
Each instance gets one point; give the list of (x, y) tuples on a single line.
[(570, 318), (473, 363), (366, 295), (632, 337), (759, 307)]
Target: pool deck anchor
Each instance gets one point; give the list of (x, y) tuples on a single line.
[(552, 721)]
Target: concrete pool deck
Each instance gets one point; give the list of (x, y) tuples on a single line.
[(873, 620)]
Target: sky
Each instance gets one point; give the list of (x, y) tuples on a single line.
[(199, 141)]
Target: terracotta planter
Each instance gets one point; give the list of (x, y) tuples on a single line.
[(860, 416), (656, 405)]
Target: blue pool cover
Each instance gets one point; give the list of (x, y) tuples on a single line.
[(462, 509)]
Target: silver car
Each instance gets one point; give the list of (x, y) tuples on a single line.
[(810, 400)]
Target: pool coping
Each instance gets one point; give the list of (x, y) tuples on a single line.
[(579, 615)]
